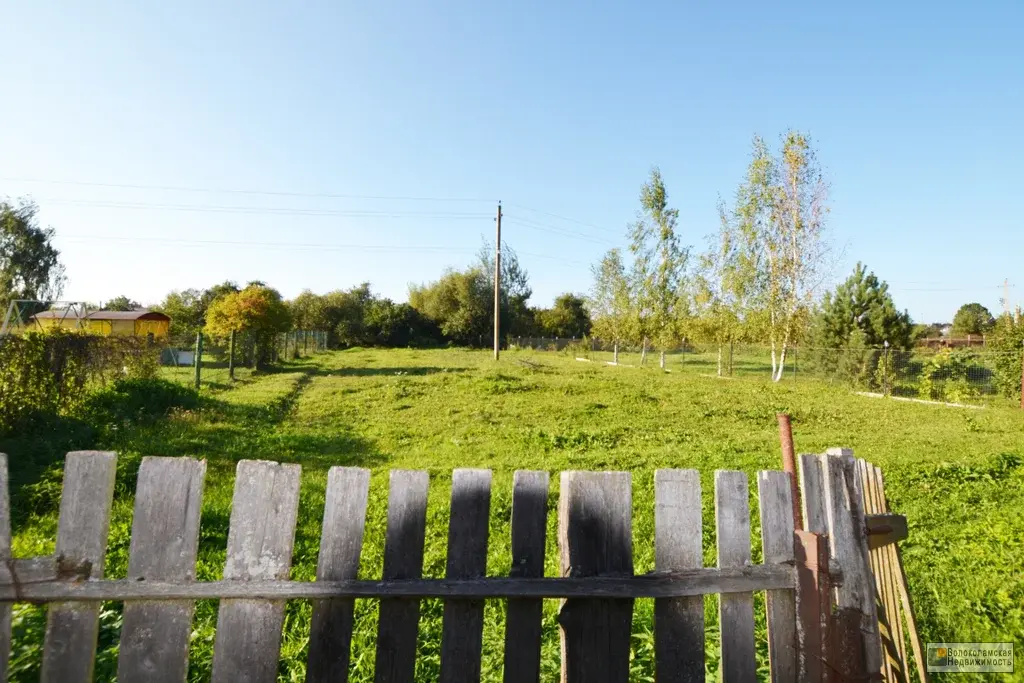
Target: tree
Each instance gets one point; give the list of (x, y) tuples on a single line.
[(516, 318), (779, 222), (567, 318), (972, 319), (658, 276), (460, 303), (187, 308), (862, 303), (256, 311), (122, 303), (610, 302), (30, 266), (1007, 343)]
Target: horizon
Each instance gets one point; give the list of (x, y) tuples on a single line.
[(179, 147)]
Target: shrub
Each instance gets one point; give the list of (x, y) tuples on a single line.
[(947, 376)]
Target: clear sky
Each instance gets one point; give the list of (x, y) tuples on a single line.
[(329, 112)]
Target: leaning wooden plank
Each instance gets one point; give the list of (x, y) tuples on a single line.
[(857, 618), (904, 591), (881, 605), (463, 627), (678, 622), (5, 557), (679, 584), (165, 540), (341, 541), (735, 610), (595, 538), (71, 628), (812, 488), (776, 503), (260, 540), (403, 559), (529, 534)]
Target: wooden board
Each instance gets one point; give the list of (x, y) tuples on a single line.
[(812, 489), (341, 542), (735, 610), (260, 540), (595, 537), (165, 540), (69, 651), (678, 622), (529, 535), (403, 559), (775, 494), (463, 627)]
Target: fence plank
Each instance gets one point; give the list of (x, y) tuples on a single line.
[(886, 558), (595, 538), (165, 540), (857, 619), (260, 539), (812, 489), (71, 628), (341, 541), (463, 626), (775, 493), (5, 556), (678, 622), (900, 578), (736, 610), (403, 559), (529, 535)]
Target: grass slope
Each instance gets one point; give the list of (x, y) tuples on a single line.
[(957, 474)]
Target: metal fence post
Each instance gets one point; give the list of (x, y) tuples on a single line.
[(615, 357), (199, 357), (886, 389), (1022, 379)]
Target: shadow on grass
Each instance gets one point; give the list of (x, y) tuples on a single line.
[(374, 372)]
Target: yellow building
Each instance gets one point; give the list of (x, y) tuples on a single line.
[(137, 323)]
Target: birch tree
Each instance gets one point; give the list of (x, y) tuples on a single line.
[(611, 306), (780, 222), (658, 276)]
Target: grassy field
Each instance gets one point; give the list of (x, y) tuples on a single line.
[(957, 474)]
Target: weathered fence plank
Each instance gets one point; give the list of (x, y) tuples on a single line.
[(595, 538), (463, 626), (260, 539), (775, 494), (403, 559), (341, 542), (678, 622), (892, 664), (82, 527), (856, 619), (736, 610), (165, 540), (886, 557), (5, 556), (529, 534), (812, 487)]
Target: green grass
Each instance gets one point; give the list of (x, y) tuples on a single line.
[(957, 474)]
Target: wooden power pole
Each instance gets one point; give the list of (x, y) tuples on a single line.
[(497, 286)]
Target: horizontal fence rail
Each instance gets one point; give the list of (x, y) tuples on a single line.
[(598, 583)]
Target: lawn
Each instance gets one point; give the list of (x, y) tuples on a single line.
[(957, 474)]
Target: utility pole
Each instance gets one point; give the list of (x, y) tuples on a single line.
[(497, 286)]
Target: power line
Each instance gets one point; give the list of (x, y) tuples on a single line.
[(543, 227), (286, 211), (270, 193), (565, 218)]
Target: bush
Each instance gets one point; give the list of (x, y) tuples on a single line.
[(947, 376), (1007, 340)]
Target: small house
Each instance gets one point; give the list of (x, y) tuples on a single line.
[(138, 323)]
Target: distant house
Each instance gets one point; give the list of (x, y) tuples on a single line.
[(138, 323)]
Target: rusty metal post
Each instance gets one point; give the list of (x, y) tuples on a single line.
[(789, 465), (1022, 380)]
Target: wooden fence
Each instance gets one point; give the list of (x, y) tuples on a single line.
[(597, 581)]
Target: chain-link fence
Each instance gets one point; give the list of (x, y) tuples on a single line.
[(939, 374)]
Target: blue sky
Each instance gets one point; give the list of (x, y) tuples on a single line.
[(557, 109)]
